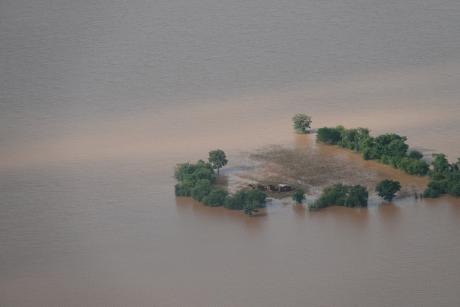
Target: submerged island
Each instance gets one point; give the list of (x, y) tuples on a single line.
[(199, 180)]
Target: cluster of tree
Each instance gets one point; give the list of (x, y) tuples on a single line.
[(342, 195), (198, 181), (247, 200), (444, 177), (387, 189), (301, 123), (388, 148), (298, 196)]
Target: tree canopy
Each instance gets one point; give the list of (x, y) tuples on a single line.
[(198, 181), (217, 159), (387, 148), (387, 189), (444, 177), (301, 122), (342, 195), (298, 196)]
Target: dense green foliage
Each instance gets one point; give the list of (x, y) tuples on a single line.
[(444, 177), (197, 180), (245, 198), (216, 197), (298, 196), (301, 122), (217, 159), (388, 148), (342, 195), (328, 135), (201, 189), (189, 175), (387, 189)]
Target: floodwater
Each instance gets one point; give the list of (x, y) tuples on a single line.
[(100, 99)]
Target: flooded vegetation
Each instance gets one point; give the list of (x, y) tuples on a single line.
[(99, 100), (305, 167), (313, 167)]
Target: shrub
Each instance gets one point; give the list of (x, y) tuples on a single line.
[(216, 197), (246, 197), (387, 148), (298, 196), (388, 188), (194, 172), (342, 195), (444, 178), (329, 135), (201, 189), (250, 208), (301, 122), (415, 154)]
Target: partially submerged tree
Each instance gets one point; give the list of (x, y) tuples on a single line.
[(217, 159), (388, 148), (247, 200), (328, 135), (387, 189), (444, 177), (301, 122), (342, 195), (250, 208), (298, 196)]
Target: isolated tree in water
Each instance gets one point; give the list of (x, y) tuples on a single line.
[(217, 159), (388, 188), (301, 122), (298, 196)]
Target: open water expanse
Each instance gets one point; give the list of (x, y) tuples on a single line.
[(100, 99)]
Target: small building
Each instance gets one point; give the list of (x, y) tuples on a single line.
[(284, 188)]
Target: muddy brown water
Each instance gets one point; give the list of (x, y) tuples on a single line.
[(100, 99)]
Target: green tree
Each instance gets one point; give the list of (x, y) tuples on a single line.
[(216, 197), (342, 195), (217, 159), (250, 208), (298, 196), (301, 122), (201, 189), (440, 163), (245, 197), (388, 188), (415, 154), (328, 135)]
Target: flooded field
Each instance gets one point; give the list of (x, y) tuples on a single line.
[(100, 99), (312, 166)]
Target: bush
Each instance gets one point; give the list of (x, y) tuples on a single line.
[(193, 172), (415, 154), (245, 197), (329, 135), (413, 166), (201, 189), (250, 208), (454, 189), (182, 190), (298, 196), (444, 178), (387, 148), (387, 189), (216, 197), (301, 122), (342, 195)]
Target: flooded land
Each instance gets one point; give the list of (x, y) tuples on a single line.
[(312, 166), (100, 99)]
